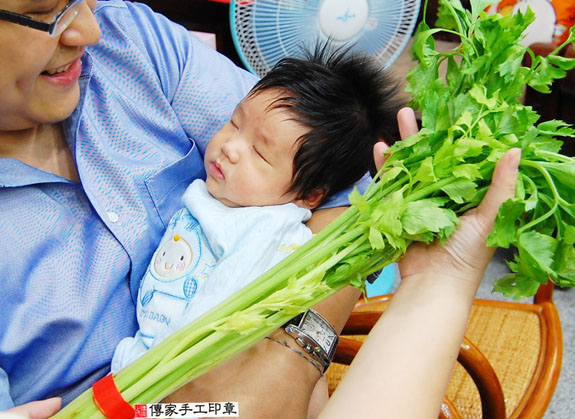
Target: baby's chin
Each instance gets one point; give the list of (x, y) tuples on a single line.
[(213, 191)]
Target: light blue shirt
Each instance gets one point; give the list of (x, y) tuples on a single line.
[(72, 254)]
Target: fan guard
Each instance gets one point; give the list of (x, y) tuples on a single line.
[(264, 31)]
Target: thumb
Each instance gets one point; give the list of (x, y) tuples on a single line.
[(35, 410), (502, 186)]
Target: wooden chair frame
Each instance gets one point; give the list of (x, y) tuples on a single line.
[(539, 392)]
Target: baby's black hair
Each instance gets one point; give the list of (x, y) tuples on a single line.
[(348, 102)]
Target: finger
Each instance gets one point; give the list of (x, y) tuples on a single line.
[(379, 150), (37, 410), (502, 186), (407, 122)]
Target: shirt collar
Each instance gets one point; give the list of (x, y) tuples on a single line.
[(14, 173)]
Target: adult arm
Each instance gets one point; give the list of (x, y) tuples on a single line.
[(408, 357), (261, 378)]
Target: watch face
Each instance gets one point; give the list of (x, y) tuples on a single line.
[(319, 330)]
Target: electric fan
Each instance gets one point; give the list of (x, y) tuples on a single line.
[(264, 31)]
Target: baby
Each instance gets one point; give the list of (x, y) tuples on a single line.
[(303, 133)]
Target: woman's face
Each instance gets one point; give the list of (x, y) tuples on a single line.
[(39, 76)]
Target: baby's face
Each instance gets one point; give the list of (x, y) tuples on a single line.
[(249, 162)]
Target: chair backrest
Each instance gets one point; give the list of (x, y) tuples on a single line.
[(509, 362)]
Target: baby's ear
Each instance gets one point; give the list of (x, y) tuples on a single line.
[(312, 199)]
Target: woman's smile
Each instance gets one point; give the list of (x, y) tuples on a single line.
[(65, 75)]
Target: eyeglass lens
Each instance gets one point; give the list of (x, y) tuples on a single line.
[(67, 17)]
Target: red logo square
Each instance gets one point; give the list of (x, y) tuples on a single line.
[(141, 411)]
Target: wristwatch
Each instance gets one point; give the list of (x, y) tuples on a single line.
[(314, 333)]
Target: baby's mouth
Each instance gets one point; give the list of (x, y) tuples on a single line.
[(215, 170)]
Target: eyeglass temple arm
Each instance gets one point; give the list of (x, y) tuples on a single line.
[(24, 20)]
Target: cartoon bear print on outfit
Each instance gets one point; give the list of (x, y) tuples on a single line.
[(180, 265)]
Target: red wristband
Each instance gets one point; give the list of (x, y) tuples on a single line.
[(109, 400)]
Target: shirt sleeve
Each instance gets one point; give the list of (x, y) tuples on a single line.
[(202, 85), (341, 199), (5, 398)]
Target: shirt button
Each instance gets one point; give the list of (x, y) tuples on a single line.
[(113, 217)]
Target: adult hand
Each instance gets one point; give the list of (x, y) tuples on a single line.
[(407, 359), (465, 253), (407, 126), (464, 257), (34, 410)]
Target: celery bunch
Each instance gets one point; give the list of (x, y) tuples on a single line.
[(469, 120)]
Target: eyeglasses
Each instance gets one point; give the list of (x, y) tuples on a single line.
[(62, 20)]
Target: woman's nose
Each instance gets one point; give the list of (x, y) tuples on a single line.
[(84, 29)]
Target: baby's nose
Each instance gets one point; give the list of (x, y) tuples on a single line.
[(231, 150)]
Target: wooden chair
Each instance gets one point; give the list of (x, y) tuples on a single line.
[(508, 364)]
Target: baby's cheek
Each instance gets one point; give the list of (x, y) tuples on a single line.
[(180, 266)]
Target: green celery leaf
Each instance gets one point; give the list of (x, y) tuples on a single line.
[(565, 265), (479, 6), (388, 220), (448, 14), (434, 101), (556, 128), (461, 190), (505, 227), (358, 201), (348, 271), (423, 48), (425, 173), (509, 68), (453, 75), (465, 119), (426, 215), (408, 142), (390, 175), (357, 281), (516, 286), (479, 93), (562, 62), (564, 173), (376, 238), (537, 250), (520, 187), (516, 23), (420, 75), (544, 143), (467, 147), (532, 201), (568, 233), (467, 171), (544, 74)]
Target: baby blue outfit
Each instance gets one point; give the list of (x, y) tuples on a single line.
[(209, 252)]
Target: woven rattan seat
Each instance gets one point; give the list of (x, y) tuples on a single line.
[(512, 350)]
